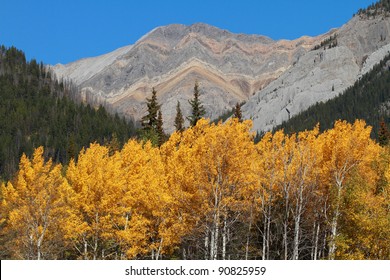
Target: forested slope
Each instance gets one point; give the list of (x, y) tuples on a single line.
[(368, 99), (36, 110)]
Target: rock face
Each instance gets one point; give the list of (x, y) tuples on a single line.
[(321, 74), (271, 76), (229, 67)]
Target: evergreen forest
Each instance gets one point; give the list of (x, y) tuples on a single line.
[(37, 110), (367, 99)]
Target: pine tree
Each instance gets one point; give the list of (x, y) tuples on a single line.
[(237, 112), (149, 121), (383, 134), (198, 110), (179, 120), (160, 130)]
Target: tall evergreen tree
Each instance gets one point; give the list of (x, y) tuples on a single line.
[(383, 133), (149, 121), (198, 110), (237, 112), (179, 119), (159, 129)]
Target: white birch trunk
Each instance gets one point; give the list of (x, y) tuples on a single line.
[(212, 238), (216, 235), (297, 224), (316, 242), (285, 224), (224, 238), (85, 249), (206, 245), (332, 243), (264, 238)]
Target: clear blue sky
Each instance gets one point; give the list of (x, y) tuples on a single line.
[(55, 31)]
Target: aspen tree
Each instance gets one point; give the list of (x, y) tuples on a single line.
[(35, 207)]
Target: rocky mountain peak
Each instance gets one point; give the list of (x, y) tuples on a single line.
[(268, 75)]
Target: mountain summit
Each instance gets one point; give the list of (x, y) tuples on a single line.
[(229, 67), (270, 76)]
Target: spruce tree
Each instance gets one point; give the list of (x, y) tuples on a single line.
[(383, 134), (149, 121), (198, 110), (237, 112), (179, 119), (160, 130)]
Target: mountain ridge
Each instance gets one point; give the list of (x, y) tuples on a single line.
[(229, 67), (269, 75), (323, 73)]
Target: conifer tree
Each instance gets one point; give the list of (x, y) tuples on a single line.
[(198, 110), (159, 129), (383, 134), (237, 112), (179, 120), (149, 121)]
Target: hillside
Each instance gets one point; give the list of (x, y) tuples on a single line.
[(368, 99), (323, 73), (37, 110)]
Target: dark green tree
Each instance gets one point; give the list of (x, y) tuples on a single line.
[(179, 119), (198, 110), (149, 121), (383, 134), (160, 130), (237, 112)]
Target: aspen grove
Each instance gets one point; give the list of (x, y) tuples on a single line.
[(208, 192)]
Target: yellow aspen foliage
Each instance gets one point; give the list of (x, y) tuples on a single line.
[(212, 171), (364, 222), (346, 147), (97, 184), (145, 200), (34, 206), (209, 192)]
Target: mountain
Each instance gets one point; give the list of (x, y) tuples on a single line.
[(322, 73), (275, 79), (229, 67)]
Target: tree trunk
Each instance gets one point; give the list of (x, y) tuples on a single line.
[(224, 238), (332, 243), (317, 234), (85, 249), (285, 224), (212, 241), (268, 232), (206, 245), (264, 238), (38, 252), (216, 235), (248, 235), (158, 253), (297, 224), (95, 247)]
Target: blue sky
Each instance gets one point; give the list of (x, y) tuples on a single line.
[(55, 31)]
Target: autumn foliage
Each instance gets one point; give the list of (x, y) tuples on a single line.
[(209, 192)]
